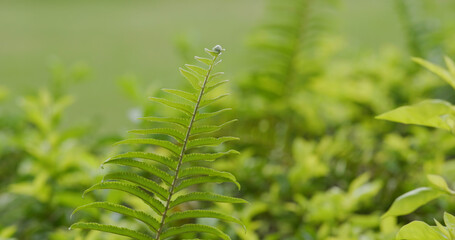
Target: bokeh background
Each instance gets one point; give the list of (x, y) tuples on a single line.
[(307, 79)]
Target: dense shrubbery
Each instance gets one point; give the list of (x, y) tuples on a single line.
[(314, 162)]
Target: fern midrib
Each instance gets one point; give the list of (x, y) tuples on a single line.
[(182, 153)]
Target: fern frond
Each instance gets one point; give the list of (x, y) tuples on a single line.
[(174, 172)]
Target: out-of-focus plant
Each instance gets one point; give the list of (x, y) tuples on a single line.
[(53, 164), (432, 113)]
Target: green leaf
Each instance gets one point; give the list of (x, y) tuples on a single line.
[(412, 200), (205, 196), (141, 216), (185, 108), (205, 61), (148, 156), (156, 205), (193, 181), (432, 113), (442, 229), (441, 72), (209, 128), (182, 94), (194, 228), (202, 214), (214, 76), (207, 102), (201, 116), (162, 143), (143, 182), (197, 69), (418, 230), (176, 134), (208, 141), (450, 65), (179, 121), (193, 79), (112, 229), (449, 220), (440, 183), (206, 156), (202, 171), (144, 166), (214, 85)]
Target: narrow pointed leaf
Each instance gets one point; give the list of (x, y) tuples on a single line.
[(202, 214), (206, 156), (192, 78), (139, 215), (209, 128), (203, 171), (212, 100), (205, 196), (201, 116), (148, 156), (208, 141), (162, 143), (179, 121), (182, 94), (199, 70), (142, 182), (185, 108), (214, 76), (450, 65), (205, 61), (206, 179), (215, 85), (144, 166), (156, 205), (441, 72), (112, 229), (194, 228), (176, 134)]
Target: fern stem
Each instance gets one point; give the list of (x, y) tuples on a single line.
[(182, 153)]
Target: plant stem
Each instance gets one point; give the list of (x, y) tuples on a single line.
[(187, 136)]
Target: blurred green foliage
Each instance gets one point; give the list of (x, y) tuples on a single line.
[(314, 162)]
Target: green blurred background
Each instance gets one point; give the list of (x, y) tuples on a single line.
[(117, 38)]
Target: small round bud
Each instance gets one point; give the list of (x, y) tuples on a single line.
[(218, 49)]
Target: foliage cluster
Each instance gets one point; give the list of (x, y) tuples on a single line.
[(313, 162)]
